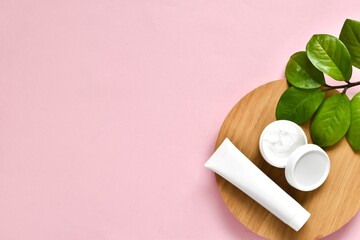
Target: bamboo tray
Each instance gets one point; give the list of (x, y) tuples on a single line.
[(331, 206)]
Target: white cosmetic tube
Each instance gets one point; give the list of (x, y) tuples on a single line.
[(235, 167)]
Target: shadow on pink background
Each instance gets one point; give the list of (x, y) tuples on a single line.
[(110, 108)]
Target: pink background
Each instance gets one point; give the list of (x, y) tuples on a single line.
[(110, 108)]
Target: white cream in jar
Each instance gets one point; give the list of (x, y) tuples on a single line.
[(278, 140)]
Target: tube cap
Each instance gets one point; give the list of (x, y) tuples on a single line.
[(299, 220)]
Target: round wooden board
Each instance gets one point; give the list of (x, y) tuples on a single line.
[(331, 206)]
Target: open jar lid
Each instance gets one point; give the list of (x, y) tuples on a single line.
[(308, 167)]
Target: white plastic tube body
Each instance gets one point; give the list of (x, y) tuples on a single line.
[(235, 167)]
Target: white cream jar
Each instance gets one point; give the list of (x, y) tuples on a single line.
[(278, 140), (283, 144)]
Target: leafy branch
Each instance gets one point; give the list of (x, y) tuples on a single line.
[(336, 116)]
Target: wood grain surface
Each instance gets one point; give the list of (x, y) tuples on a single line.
[(331, 206)]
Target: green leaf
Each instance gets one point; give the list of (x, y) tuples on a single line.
[(301, 73), (298, 105), (353, 135), (329, 55), (350, 36), (331, 121)]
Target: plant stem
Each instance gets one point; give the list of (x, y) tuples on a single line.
[(345, 86), (345, 89)]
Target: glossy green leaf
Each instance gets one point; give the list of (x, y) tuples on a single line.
[(353, 135), (350, 36), (301, 73), (331, 121), (298, 105), (329, 55)]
